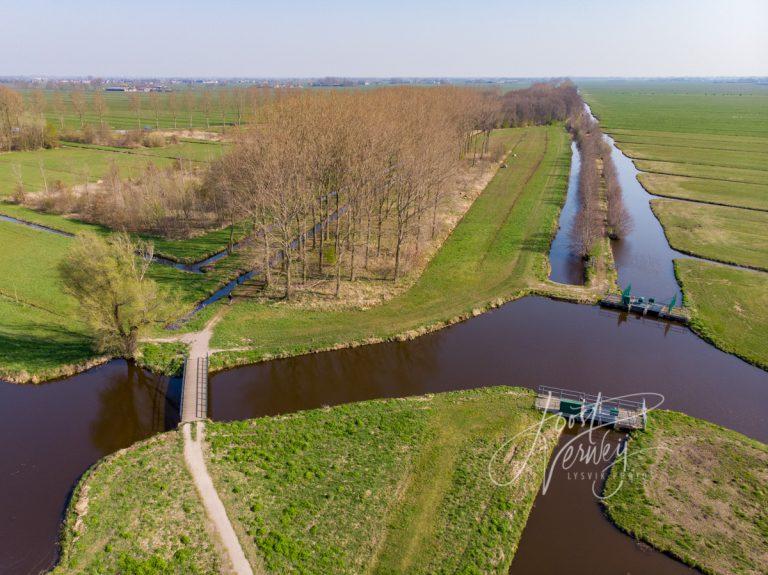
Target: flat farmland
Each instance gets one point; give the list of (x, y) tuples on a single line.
[(733, 109), (74, 164), (120, 115), (738, 194), (724, 234)]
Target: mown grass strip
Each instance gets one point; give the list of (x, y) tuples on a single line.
[(739, 195)]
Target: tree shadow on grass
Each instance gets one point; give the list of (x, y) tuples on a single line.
[(35, 348)]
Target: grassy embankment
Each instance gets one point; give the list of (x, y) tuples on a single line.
[(137, 511), (697, 491), (705, 143), (498, 251), (393, 486)]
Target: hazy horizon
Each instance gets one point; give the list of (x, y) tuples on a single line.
[(233, 38)]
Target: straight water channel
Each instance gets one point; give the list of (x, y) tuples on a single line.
[(52, 433)]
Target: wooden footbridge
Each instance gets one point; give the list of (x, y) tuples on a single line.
[(646, 306), (194, 390), (585, 407)]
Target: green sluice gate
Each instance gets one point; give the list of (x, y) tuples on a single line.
[(570, 407)]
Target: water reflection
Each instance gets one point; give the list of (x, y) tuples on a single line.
[(51, 434), (567, 267)]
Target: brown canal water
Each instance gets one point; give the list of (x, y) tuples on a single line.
[(567, 267), (568, 533), (52, 433)]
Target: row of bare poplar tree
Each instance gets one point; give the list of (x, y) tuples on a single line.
[(599, 213), (20, 128), (336, 180)]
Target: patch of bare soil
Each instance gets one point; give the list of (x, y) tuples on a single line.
[(193, 135)]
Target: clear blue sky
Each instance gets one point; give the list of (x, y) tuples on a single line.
[(384, 37)]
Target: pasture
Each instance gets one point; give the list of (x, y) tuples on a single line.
[(695, 490), (387, 486), (729, 307), (719, 233), (120, 113)]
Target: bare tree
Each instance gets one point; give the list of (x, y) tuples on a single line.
[(154, 104), (99, 107), (135, 103), (172, 103), (77, 100)]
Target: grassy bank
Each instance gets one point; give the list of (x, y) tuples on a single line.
[(498, 251), (389, 486), (137, 512), (729, 307), (697, 491), (724, 234)]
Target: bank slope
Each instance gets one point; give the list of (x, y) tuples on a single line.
[(137, 512)]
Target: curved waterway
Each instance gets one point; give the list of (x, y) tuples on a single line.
[(54, 432)]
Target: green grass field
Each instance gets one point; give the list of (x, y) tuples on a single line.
[(138, 512), (704, 142), (697, 491), (498, 250), (730, 307), (121, 116), (393, 486), (686, 107), (39, 330), (743, 195), (724, 234), (76, 164)]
